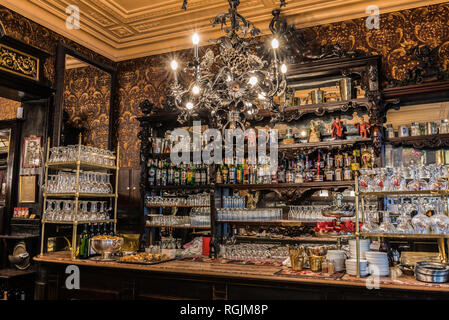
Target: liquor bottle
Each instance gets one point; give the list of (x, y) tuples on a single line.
[(171, 175), (347, 173), (90, 251), (158, 173), (219, 175), (183, 174), (355, 164), (152, 173), (245, 172), (177, 175), (189, 174), (232, 173), (83, 244), (164, 173), (198, 171), (204, 175), (225, 172), (105, 229), (239, 174), (111, 229)]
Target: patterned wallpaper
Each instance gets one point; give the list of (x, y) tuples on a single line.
[(86, 99), (8, 109), (148, 78)]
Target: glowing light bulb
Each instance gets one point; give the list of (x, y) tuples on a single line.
[(229, 79), (303, 133), (195, 89), (189, 105), (283, 68), (253, 80), (195, 38), (275, 43), (261, 96), (250, 111), (174, 64)]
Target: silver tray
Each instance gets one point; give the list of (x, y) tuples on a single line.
[(146, 263)]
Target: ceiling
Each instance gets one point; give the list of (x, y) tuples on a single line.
[(126, 29)]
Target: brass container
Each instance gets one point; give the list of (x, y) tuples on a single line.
[(316, 263), (297, 262), (130, 243), (345, 86)]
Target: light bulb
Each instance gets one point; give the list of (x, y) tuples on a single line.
[(229, 79), (253, 80), (174, 64), (303, 133), (250, 111), (195, 38), (195, 89), (261, 96), (283, 68), (275, 43), (189, 105)]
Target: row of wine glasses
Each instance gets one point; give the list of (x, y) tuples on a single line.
[(234, 202), (89, 182), (411, 178), (438, 223), (253, 251), (64, 210), (202, 199), (200, 217), (89, 154), (244, 214)]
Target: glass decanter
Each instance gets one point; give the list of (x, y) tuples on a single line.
[(365, 180), (404, 221), (386, 226), (421, 223), (370, 224), (437, 181), (398, 182), (439, 221)]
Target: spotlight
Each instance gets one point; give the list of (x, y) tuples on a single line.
[(195, 38), (275, 43), (189, 105), (174, 64), (253, 80)]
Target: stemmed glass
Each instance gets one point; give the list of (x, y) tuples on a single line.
[(421, 223), (439, 221)]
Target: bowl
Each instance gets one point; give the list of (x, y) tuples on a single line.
[(106, 247)]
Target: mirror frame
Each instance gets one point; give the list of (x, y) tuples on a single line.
[(61, 52)]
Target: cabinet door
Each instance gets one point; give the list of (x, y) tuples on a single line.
[(135, 195), (124, 184)]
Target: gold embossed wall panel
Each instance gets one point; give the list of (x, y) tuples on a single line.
[(8, 109), (148, 78), (86, 99)]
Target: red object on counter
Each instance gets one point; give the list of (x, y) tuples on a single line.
[(206, 246)]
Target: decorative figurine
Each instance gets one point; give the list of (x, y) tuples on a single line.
[(337, 129), (314, 132), (363, 128)]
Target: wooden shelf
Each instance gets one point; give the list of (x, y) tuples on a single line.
[(291, 239), (177, 187), (78, 222), (80, 195), (292, 150), (285, 223), (71, 165), (314, 185), (176, 206), (420, 142), (177, 226), (405, 235), (405, 193)]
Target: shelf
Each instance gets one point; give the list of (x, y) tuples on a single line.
[(78, 222), (392, 193), (284, 223), (177, 226), (292, 239), (419, 142), (80, 195), (176, 206), (71, 165), (289, 150), (176, 187), (405, 235), (319, 109), (310, 185)]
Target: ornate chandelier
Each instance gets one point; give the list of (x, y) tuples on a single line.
[(235, 83)]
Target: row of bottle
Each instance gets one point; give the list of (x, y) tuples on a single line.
[(85, 249), (324, 167), (165, 173), (12, 294)]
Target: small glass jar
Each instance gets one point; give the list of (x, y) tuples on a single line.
[(390, 131)]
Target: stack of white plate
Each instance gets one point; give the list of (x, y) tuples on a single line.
[(364, 246), (351, 267), (338, 257), (378, 262)]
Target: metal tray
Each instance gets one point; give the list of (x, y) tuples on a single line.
[(146, 263)]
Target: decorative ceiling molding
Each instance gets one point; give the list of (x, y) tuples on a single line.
[(127, 29)]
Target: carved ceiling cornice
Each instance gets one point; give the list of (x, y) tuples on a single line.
[(128, 29)]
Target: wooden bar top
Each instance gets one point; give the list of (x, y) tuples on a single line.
[(251, 272)]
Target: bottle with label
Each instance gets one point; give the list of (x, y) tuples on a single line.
[(225, 173), (164, 173), (219, 175), (151, 173), (171, 175), (232, 173), (245, 172), (355, 164), (158, 173), (239, 174), (198, 174)]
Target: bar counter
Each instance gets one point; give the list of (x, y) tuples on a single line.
[(204, 280)]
